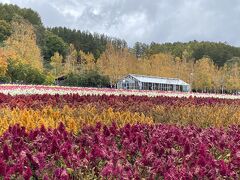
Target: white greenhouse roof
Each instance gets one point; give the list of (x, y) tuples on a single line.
[(159, 80)]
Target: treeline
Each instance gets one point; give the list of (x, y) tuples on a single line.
[(219, 52), (86, 41), (31, 53), (8, 12), (203, 75)]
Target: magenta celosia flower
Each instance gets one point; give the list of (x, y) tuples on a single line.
[(106, 131), (186, 148), (7, 152), (61, 127), (3, 168), (98, 125), (107, 170), (238, 154), (61, 174), (27, 174), (82, 154), (54, 146), (45, 177)]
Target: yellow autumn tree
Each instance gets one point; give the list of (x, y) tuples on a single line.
[(186, 66), (219, 79), (183, 69), (132, 64), (87, 61), (23, 42), (233, 77), (57, 65), (3, 63), (204, 70), (71, 60), (113, 63), (142, 66), (160, 65)]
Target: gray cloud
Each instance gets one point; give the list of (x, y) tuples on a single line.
[(145, 20)]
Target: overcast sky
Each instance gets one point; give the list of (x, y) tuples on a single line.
[(145, 20)]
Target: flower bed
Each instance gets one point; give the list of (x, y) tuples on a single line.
[(85, 135), (77, 111), (132, 152), (41, 89)]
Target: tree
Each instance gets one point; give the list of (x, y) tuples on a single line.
[(71, 60), (233, 76), (90, 78), (220, 79), (183, 67), (5, 30), (87, 42), (9, 11), (204, 70), (23, 42), (54, 44), (57, 64), (87, 60), (161, 65), (218, 52), (31, 16), (24, 73), (113, 63), (3, 64), (140, 50)]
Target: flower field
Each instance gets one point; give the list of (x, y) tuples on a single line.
[(41, 89), (131, 152), (117, 136)]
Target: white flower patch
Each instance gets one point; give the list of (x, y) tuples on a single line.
[(61, 90)]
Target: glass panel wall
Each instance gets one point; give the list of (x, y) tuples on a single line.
[(153, 86)]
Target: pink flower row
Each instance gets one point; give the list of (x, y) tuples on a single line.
[(132, 152)]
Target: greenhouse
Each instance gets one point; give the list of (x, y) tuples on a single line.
[(142, 82)]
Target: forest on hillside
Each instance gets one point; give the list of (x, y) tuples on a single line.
[(33, 54)]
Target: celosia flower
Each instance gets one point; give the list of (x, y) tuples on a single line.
[(238, 154), (61, 174), (27, 174), (6, 152), (3, 168)]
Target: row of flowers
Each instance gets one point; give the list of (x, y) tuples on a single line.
[(40, 89), (75, 118), (131, 152), (77, 111), (115, 102), (201, 116)]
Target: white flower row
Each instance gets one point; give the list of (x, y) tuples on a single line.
[(39, 89)]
